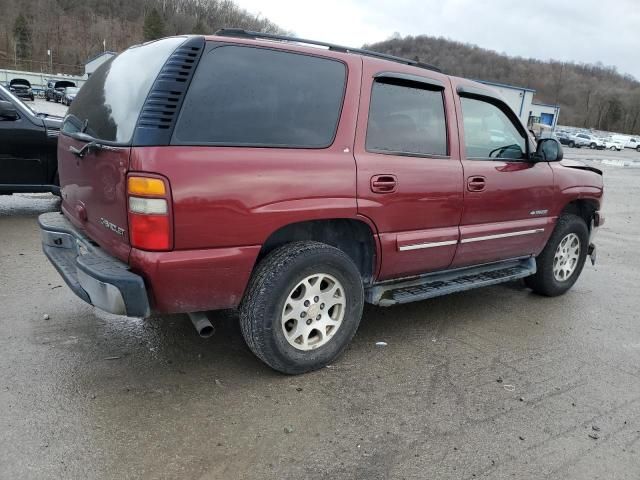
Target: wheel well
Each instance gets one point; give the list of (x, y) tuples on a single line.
[(583, 209), (353, 237)]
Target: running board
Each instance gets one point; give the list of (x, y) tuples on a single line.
[(449, 281)]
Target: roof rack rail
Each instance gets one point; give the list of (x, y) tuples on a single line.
[(240, 33)]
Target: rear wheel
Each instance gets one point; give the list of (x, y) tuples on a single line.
[(638, 148), (302, 307), (572, 144), (612, 148), (593, 146), (561, 262)]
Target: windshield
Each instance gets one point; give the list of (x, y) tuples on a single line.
[(10, 97), (108, 105)]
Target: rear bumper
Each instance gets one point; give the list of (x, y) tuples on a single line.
[(92, 274)]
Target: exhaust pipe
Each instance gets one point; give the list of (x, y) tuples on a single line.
[(202, 324)]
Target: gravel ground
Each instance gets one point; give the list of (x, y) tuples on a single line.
[(492, 383)]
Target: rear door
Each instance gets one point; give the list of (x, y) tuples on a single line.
[(507, 197), (409, 173), (107, 110)]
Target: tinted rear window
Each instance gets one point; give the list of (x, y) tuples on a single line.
[(110, 102), (404, 119), (246, 96)]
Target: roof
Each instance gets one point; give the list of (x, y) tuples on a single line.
[(504, 85), (100, 55), (247, 34)]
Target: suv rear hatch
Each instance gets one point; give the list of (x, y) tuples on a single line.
[(96, 141)]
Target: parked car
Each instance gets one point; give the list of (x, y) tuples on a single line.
[(217, 187), (611, 144), (55, 89), (591, 140), (563, 138), (571, 140), (21, 87), (69, 95), (628, 141), (28, 140)]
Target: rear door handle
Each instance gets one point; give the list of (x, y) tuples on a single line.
[(385, 183), (477, 183)]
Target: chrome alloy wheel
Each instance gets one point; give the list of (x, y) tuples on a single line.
[(566, 257), (313, 311)]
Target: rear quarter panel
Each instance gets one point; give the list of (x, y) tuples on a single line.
[(238, 196)]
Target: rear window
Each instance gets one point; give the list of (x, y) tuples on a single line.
[(246, 96), (108, 105)]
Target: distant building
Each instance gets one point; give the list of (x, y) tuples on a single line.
[(93, 63), (520, 99)]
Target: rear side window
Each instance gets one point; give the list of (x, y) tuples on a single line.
[(108, 105), (406, 119), (246, 96)]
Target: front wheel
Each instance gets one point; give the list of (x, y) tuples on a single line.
[(302, 307), (561, 262), (572, 144), (612, 148), (593, 146), (638, 148)]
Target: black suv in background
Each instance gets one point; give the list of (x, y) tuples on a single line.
[(28, 141), (55, 89), (21, 87)]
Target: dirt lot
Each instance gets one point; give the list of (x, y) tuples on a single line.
[(492, 383), (52, 108)]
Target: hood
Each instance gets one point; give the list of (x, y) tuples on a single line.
[(52, 122), (64, 84), (579, 165), (20, 82)]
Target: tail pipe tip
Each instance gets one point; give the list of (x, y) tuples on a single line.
[(202, 324)]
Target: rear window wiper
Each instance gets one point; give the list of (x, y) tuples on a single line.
[(92, 144)]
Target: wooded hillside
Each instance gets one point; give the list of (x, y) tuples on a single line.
[(592, 96), (75, 29)]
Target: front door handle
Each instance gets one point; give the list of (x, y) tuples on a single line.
[(385, 183), (477, 183)]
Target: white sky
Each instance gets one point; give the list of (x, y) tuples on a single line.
[(571, 30)]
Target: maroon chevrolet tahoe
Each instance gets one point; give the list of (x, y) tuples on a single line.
[(296, 180)]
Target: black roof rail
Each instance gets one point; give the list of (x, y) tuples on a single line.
[(240, 33)]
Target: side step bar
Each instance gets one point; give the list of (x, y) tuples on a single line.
[(435, 284)]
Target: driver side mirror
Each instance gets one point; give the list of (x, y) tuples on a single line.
[(8, 111), (548, 150)]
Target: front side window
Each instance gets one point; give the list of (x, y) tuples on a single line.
[(406, 119), (489, 132), (256, 97)]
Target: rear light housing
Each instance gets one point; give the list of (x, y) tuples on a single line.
[(149, 212)]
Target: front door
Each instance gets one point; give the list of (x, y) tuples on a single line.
[(20, 151), (507, 197), (409, 176)]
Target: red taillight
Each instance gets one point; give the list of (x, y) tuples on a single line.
[(149, 232), (148, 209)]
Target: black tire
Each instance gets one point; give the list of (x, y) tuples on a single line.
[(572, 144), (270, 285), (612, 148), (46, 97), (638, 148), (544, 282), (593, 146)]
